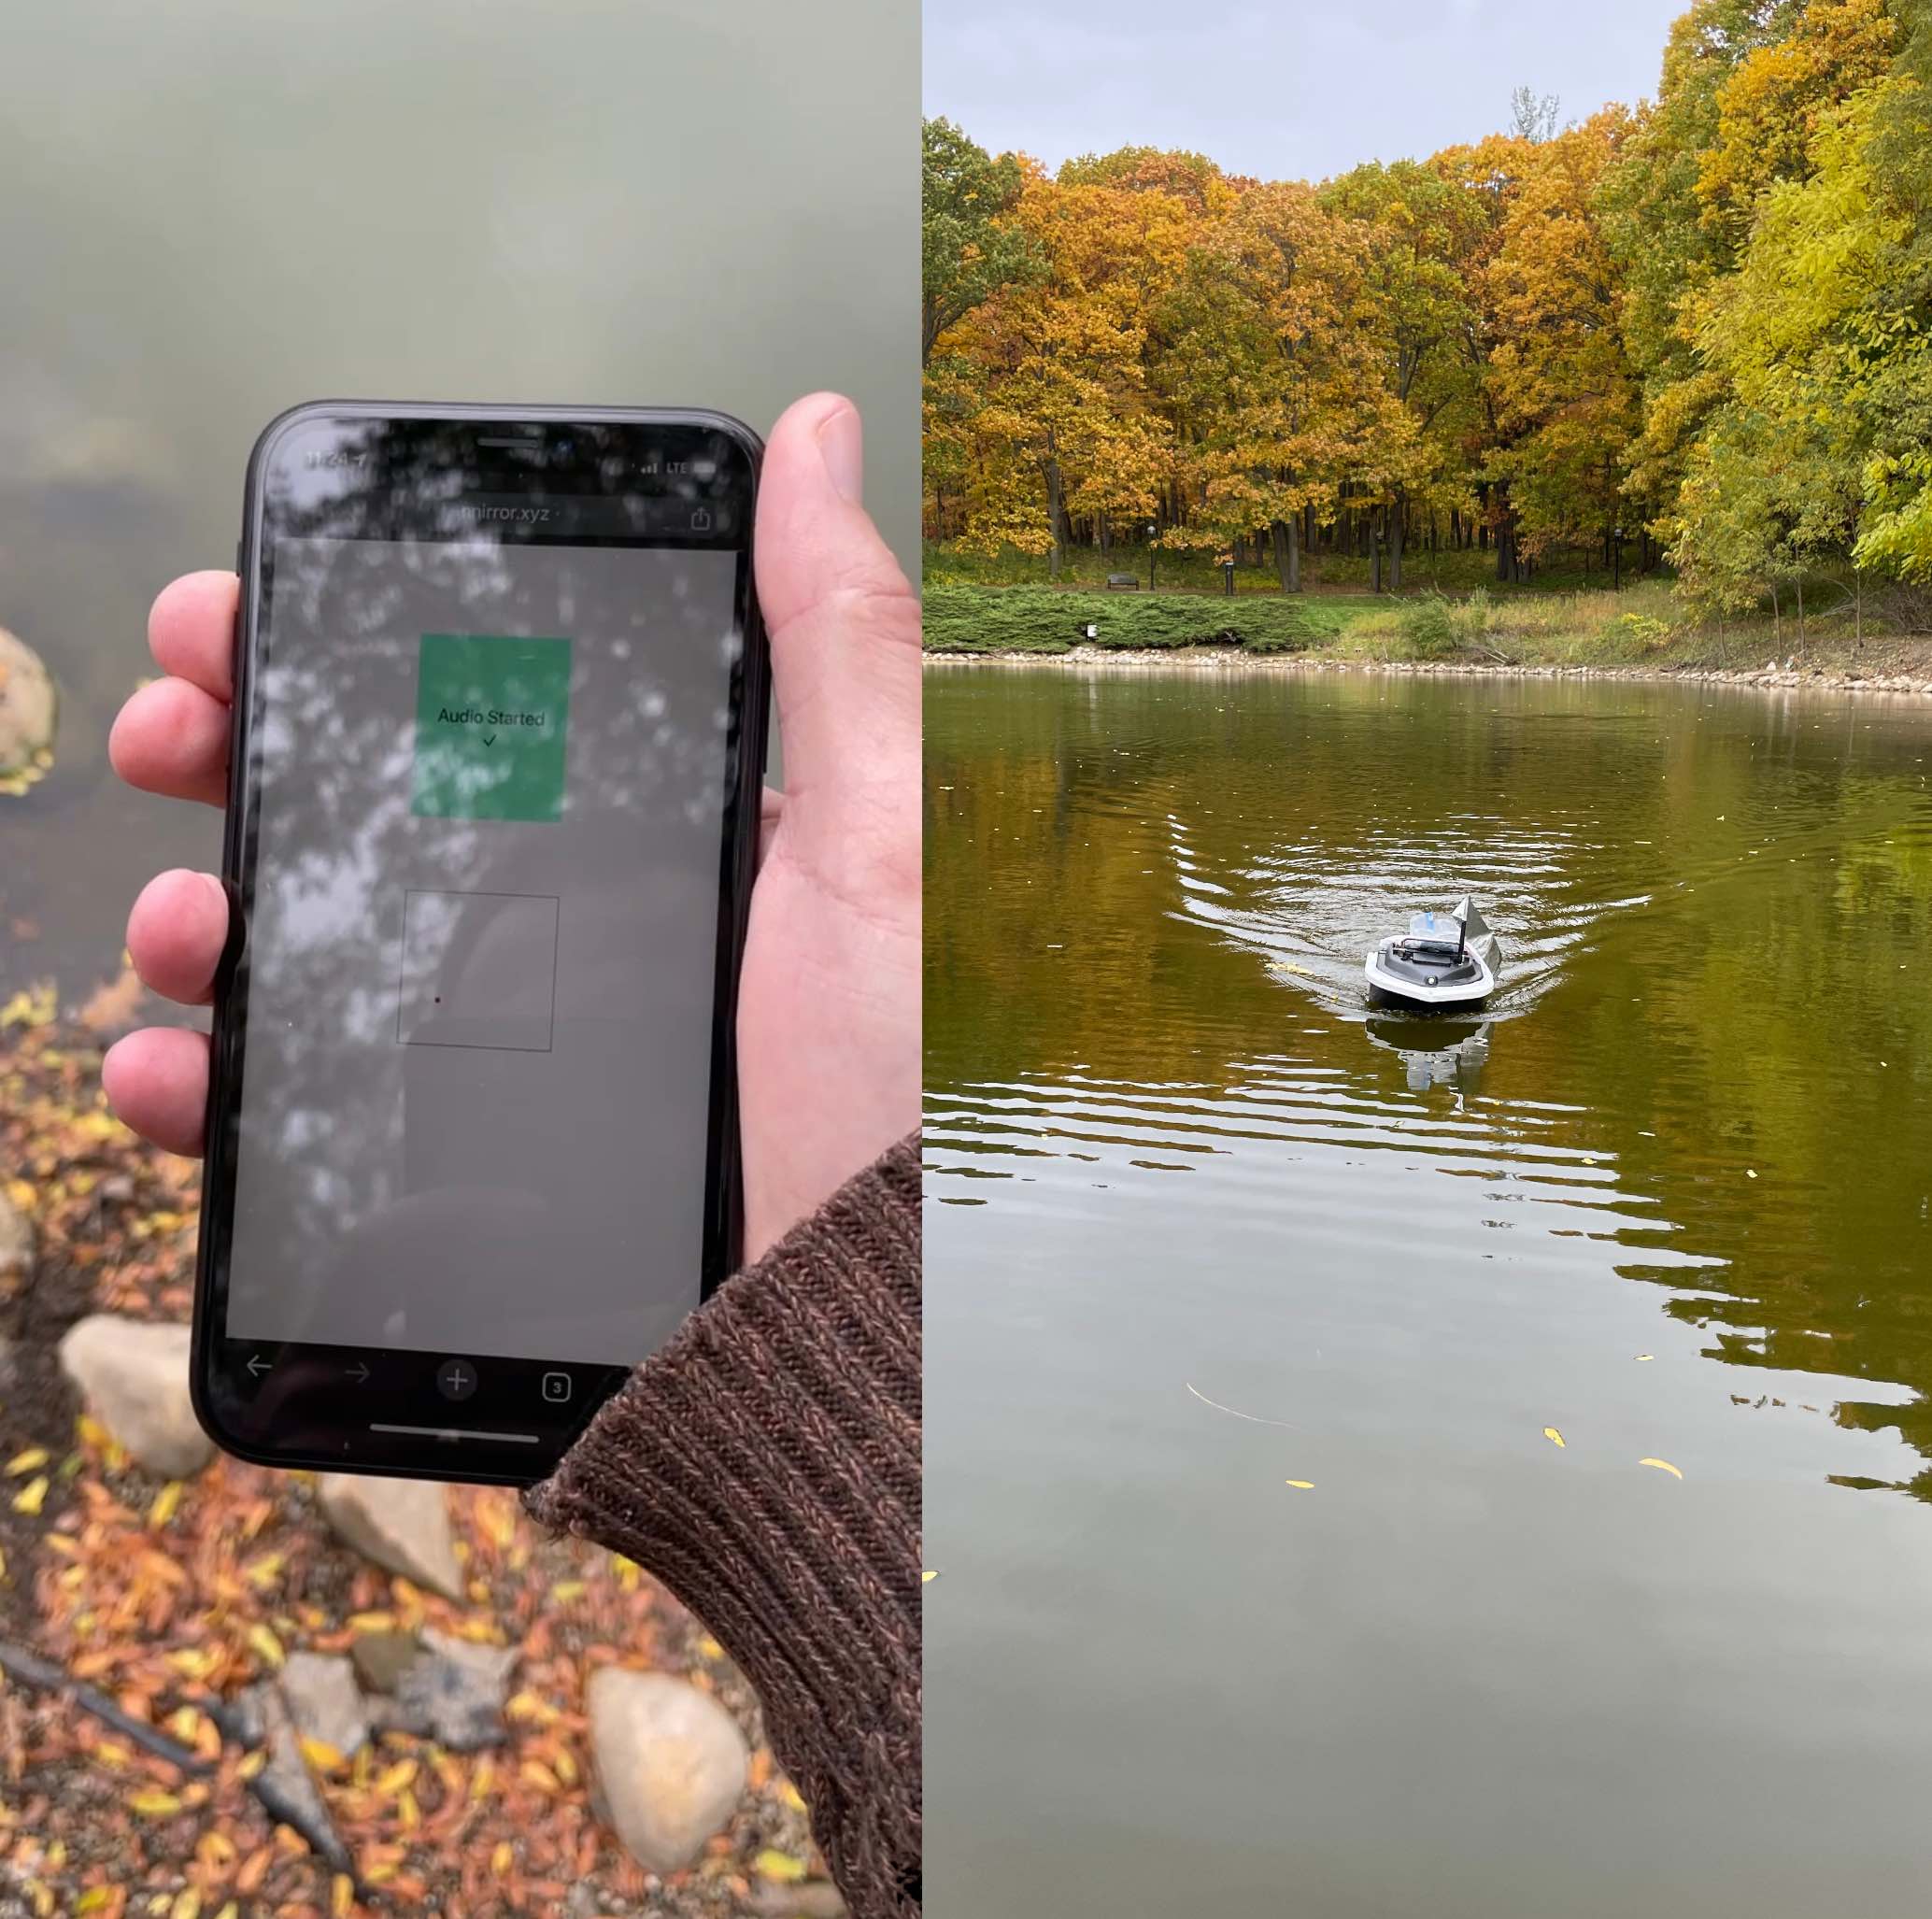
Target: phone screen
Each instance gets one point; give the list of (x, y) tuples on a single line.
[(477, 1093)]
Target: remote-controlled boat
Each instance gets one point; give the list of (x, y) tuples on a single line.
[(1445, 959)]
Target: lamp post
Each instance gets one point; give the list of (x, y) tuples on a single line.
[(1616, 580), (1152, 530)]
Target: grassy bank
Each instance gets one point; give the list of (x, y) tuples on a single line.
[(1644, 626), (1563, 570)]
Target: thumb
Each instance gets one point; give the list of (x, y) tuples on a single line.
[(844, 623)]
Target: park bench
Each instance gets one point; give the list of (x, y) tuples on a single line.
[(1128, 582)]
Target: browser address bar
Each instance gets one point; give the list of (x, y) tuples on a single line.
[(591, 515)]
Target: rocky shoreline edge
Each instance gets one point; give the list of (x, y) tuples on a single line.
[(1234, 660)]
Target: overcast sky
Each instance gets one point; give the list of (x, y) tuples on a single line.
[(1280, 89)]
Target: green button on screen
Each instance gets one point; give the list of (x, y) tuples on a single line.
[(491, 716)]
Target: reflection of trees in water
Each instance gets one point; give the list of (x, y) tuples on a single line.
[(1735, 1023), (337, 845)]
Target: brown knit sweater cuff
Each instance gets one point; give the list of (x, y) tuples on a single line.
[(765, 1466)]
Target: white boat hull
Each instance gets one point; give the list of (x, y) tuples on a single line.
[(1394, 989)]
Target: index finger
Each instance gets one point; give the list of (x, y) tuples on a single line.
[(191, 631)]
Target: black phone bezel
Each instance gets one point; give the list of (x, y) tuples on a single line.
[(308, 1389)]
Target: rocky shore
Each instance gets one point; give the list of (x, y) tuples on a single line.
[(1234, 660)]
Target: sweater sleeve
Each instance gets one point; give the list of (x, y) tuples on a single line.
[(764, 1465)]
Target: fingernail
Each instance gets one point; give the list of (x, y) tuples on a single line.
[(841, 445)]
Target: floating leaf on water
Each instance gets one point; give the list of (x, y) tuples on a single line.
[(927, 1577), (1662, 1466), (1304, 1486), (1643, 1357), (1554, 1437), (1750, 1172), (772, 1864)]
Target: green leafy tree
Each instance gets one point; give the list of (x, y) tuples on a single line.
[(969, 248)]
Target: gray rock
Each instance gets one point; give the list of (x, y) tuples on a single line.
[(670, 1763), (134, 1376), (400, 1524), (452, 1692), (260, 1716), (382, 1659), (324, 1701), (27, 703), (16, 1245)]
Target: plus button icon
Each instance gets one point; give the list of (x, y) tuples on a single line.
[(456, 1379)]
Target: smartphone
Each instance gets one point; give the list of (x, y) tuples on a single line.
[(499, 726)]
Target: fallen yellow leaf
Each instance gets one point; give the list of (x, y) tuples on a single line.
[(26, 1462), (1662, 1466), (153, 1803), (926, 1578), (1554, 1437), (772, 1864), (31, 1497), (323, 1756), (791, 1796), (266, 1646), (165, 1500)]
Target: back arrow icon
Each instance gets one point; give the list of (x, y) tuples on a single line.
[(360, 1371), (257, 1363)]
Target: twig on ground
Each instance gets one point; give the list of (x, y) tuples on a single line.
[(286, 1808)]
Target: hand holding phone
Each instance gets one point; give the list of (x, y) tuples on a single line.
[(829, 1008)]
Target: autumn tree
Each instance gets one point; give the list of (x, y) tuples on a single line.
[(1422, 230), (1563, 398), (1274, 371), (1066, 427)]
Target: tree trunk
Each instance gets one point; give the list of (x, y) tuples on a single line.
[(1287, 537), (1056, 515), (1395, 546), (1375, 549)]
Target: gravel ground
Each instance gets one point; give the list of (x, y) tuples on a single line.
[(170, 1598)]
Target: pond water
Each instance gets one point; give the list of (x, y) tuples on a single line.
[(1200, 1226)]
